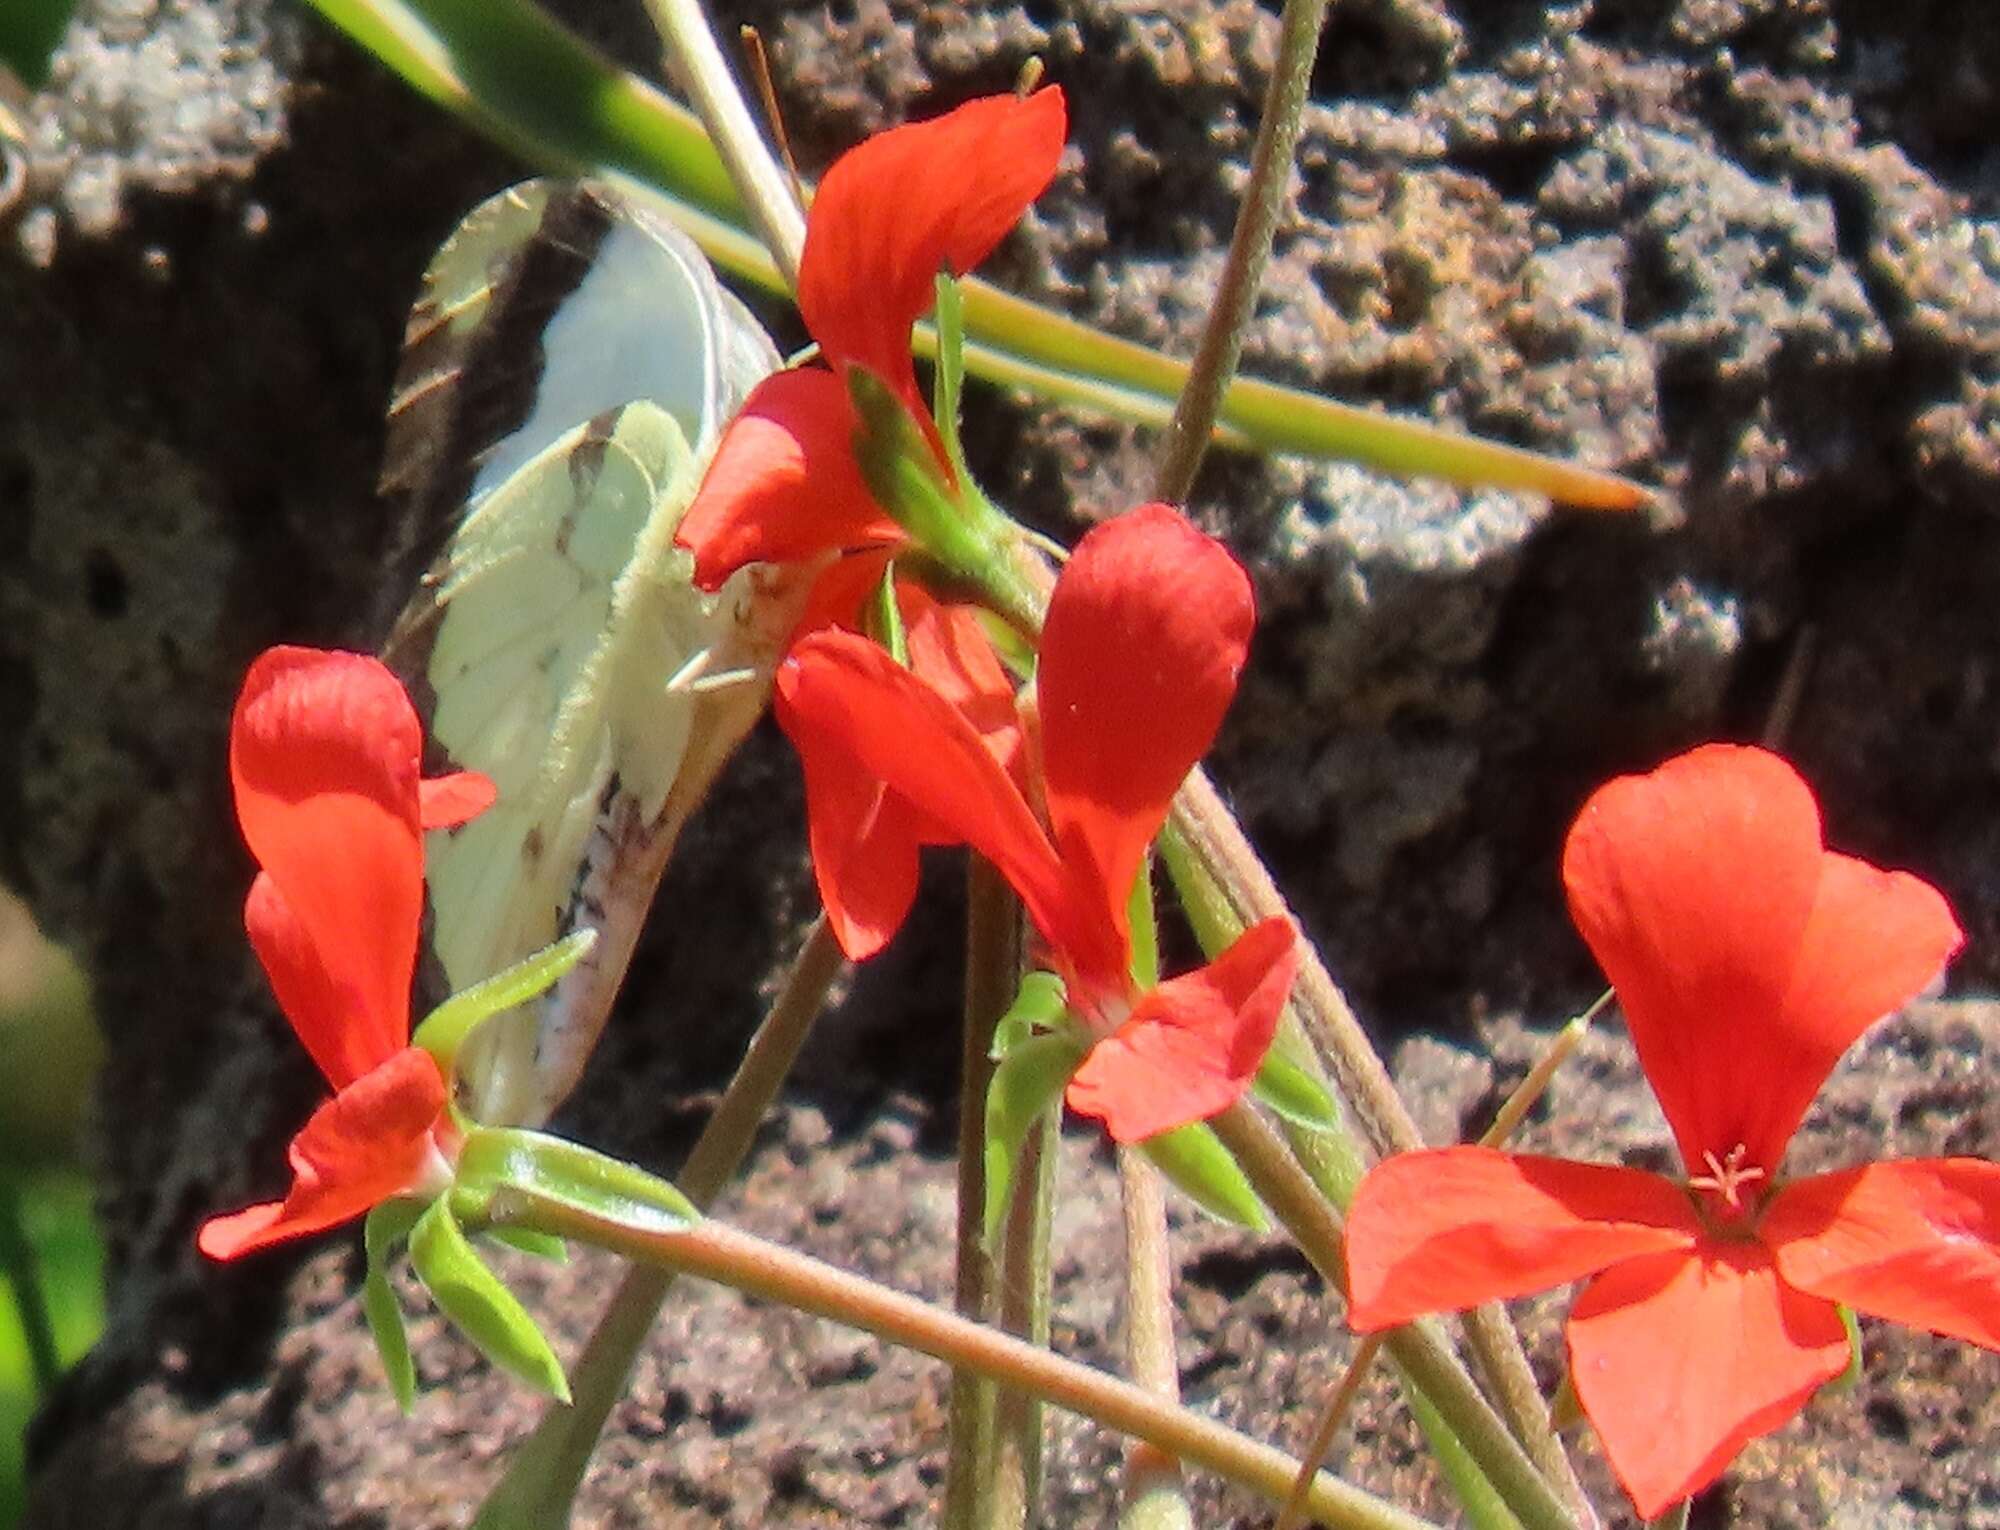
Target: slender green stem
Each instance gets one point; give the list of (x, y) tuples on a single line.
[(697, 62), (992, 967), (22, 1271), (1419, 1348), (1024, 1311), (1531, 1089), (1675, 1518), (542, 1478), (713, 1251), (1155, 1498), (1221, 344), (1330, 1420)]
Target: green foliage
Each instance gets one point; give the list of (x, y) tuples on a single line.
[(1292, 1092), (497, 1161), (482, 1309), (387, 1226), (1026, 1084), (1201, 1168), (445, 1030), (29, 32)]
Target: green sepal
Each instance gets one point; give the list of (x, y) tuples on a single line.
[(948, 376), (1478, 1500), (884, 617), (1850, 1378), (481, 1308), (513, 1161), (1028, 1081), (525, 1240), (1145, 927), (1038, 1006), (388, 1225), (1197, 1163), (30, 31), (1294, 1094), (445, 1029)]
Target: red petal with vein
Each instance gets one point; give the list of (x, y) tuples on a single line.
[(1447, 1229), (1694, 887), (906, 204), (1917, 1242), (950, 651), (323, 755), (344, 1038), (855, 715), (1147, 632), (1191, 1046), (864, 840), (783, 486), (447, 801), (369, 1142), (1682, 1359)]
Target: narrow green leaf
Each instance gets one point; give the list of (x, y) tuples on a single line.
[(1026, 1083), (1038, 1006), (496, 1159), (1194, 1158), (536, 1245), (1480, 1501), (388, 1225), (948, 376), (1295, 1095), (537, 90), (482, 1309), (445, 1029), (29, 33)]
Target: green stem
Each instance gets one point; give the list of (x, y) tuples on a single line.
[(541, 1480), (1330, 1420), (770, 1272), (1419, 1348), (22, 1271), (1155, 1498), (1221, 344), (1024, 1311), (1531, 1089)]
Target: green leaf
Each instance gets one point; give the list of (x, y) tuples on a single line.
[(536, 89), (525, 1240), (1478, 1499), (498, 1160), (1038, 1006), (1850, 1378), (1145, 927), (948, 379), (1294, 1094), (388, 1225), (445, 1029), (29, 33), (482, 1309), (1194, 1158), (1027, 1082)]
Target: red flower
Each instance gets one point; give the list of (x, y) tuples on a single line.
[(1747, 958), (784, 486), (323, 755), (1147, 632)]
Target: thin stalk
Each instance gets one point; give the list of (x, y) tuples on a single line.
[(1225, 855), (1330, 1420), (22, 1272), (1221, 343), (541, 1480), (1154, 1498), (1531, 1089), (1419, 1348), (767, 1271), (992, 967), (1024, 1311), (697, 62)]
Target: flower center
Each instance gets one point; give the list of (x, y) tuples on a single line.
[(1726, 1180)]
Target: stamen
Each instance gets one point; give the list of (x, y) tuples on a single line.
[(1727, 1177)]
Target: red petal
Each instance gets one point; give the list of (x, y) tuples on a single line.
[(323, 755), (1191, 1046), (857, 716), (1694, 886), (894, 211), (369, 1142), (1917, 1242), (447, 801), (1147, 632), (1447, 1229), (344, 1039), (1682, 1359), (783, 486), (950, 651)]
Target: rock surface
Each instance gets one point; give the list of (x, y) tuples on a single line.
[(1744, 250)]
